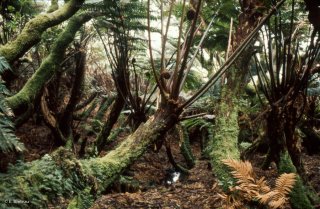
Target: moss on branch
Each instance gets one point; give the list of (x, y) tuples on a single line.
[(50, 65), (31, 33)]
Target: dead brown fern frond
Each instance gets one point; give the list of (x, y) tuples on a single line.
[(249, 188), (285, 183), (242, 171)]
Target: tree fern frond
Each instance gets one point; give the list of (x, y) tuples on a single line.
[(265, 198)]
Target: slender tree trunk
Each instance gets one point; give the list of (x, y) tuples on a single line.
[(292, 145), (276, 136)]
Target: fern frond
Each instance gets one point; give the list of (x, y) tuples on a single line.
[(4, 65), (285, 183), (249, 189), (243, 171), (277, 203), (8, 140), (266, 198), (262, 185)]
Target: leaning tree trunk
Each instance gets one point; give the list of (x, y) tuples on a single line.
[(32, 32), (26, 96), (60, 174)]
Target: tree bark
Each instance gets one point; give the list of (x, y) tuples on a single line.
[(31, 33), (48, 67), (278, 152)]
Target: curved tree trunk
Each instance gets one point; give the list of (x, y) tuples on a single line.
[(48, 67), (31, 34)]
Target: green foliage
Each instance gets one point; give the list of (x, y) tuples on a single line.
[(8, 139), (193, 81), (83, 200), (185, 145), (42, 181), (4, 65), (219, 32)]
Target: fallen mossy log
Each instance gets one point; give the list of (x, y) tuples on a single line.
[(38, 183)]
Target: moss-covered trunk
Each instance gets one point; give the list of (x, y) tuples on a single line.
[(224, 144), (31, 33), (26, 96), (60, 174)]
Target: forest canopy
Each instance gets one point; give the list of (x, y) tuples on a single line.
[(159, 104)]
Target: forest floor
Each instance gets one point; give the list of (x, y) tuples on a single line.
[(151, 173)]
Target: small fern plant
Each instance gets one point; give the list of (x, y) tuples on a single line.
[(249, 189)]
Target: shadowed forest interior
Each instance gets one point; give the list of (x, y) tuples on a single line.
[(159, 104)]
